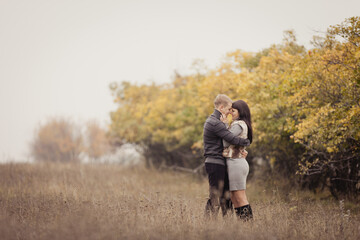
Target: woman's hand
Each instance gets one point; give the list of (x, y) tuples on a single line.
[(224, 119)]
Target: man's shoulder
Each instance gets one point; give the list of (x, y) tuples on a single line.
[(213, 122)]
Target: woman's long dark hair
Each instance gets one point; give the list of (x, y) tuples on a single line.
[(244, 114)]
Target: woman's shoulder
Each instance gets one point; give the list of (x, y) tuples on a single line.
[(244, 128), (242, 123)]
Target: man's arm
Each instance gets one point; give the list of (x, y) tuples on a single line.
[(222, 132)]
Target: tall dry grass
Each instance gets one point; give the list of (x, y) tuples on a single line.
[(56, 201)]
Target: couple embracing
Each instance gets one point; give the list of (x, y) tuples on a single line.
[(225, 164)]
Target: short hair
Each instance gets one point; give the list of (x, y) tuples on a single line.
[(222, 99)]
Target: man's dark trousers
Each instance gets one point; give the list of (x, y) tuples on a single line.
[(219, 189)]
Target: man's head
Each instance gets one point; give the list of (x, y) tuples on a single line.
[(223, 103)]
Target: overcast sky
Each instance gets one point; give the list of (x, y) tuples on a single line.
[(57, 57)]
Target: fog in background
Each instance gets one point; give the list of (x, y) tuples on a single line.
[(57, 58)]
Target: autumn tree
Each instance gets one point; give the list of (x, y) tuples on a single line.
[(96, 141), (304, 104), (154, 117), (326, 101), (58, 140)]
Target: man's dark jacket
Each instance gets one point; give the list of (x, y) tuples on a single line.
[(214, 132)]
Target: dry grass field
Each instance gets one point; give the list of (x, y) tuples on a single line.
[(57, 201)]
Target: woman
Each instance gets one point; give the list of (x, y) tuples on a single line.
[(238, 167)]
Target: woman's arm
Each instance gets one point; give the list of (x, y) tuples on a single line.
[(235, 129)]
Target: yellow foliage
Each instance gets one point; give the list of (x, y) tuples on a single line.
[(296, 97), (57, 140)]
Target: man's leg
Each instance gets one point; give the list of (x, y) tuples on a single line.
[(225, 198), (216, 175)]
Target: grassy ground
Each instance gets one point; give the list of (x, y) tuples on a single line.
[(55, 201)]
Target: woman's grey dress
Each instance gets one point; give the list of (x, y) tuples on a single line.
[(238, 168)]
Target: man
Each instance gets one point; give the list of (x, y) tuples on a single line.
[(214, 133)]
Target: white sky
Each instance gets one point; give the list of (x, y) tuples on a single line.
[(57, 58)]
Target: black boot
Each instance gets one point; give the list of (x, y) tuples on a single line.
[(244, 212)]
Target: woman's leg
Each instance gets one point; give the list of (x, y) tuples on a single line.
[(241, 205), (238, 172), (239, 198)]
